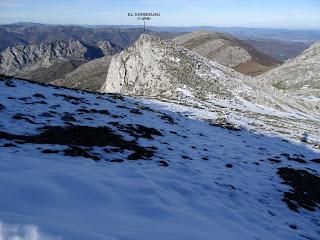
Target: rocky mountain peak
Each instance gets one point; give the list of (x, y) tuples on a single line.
[(298, 76), (156, 67), (21, 60), (312, 51)]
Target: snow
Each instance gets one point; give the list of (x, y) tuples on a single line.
[(311, 98), (185, 91), (53, 196), (176, 60)]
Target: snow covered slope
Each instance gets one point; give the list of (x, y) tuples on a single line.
[(298, 76), (77, 165), (158, 68)]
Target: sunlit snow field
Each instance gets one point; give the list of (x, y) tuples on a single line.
[(183, 179)]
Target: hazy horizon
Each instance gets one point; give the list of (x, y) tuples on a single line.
[(164, 26), (285, 14)]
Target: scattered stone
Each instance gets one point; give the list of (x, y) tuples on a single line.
[(273, 160), (24, 117), (75, 151), (50, 151), (46, 114), (271, 213), (37, 102), (305, 192), (138, 131), (38, 95), (146, 108), (122, 107), (67, 117), (295, 157), (136, 111), (24, 98), (71, 99), (55, 106), (117, 96), (9, 83), (9, 145), (83, 110), (163, 163), (168, 119), (293, 226), (317, 160), (117, 116), (223, 123), (117, 160)]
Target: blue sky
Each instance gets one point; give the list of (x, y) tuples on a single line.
[(246, 13)]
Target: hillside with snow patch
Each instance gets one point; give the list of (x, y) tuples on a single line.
[(78, 165), (158, 68)]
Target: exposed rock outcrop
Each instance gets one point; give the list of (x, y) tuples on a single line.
[(24, 60), (298, 76), (156, 67)]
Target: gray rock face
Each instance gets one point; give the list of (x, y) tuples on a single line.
[(226, 50), (22, 60), (300, 75), (108, 48)]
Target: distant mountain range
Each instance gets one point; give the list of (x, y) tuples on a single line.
[(48, 52), (34, 33), (245, 33), (278, 49), (48, 61)]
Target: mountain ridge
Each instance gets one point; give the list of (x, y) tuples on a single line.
[(157, 68), (297, 76), (228, 51), (25, 61)]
